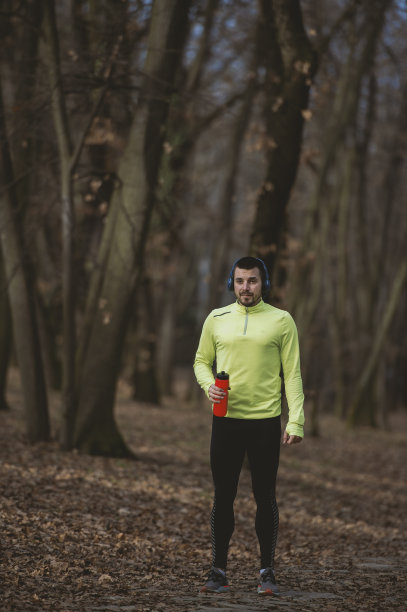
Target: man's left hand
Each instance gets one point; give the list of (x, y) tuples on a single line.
[(287, 439)]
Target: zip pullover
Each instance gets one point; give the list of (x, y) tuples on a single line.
[(252, 344)]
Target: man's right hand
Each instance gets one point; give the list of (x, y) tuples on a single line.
[(216, 394)]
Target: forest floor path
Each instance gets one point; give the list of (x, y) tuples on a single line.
[(94, 534)]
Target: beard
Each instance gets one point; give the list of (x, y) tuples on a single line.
[(248, 299)]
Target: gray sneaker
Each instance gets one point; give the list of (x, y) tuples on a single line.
[(267, 584), (216, 583)]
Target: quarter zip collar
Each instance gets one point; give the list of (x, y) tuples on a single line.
[(249, 309)]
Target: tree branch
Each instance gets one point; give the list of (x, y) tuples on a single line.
[(107, 74)]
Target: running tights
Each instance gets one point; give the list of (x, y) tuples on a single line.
[(231, 439)]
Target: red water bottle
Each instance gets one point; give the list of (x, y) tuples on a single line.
[(222, 381)]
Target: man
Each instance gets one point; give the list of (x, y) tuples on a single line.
[(252, 341)]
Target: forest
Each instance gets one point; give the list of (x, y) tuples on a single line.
[(145, 146)]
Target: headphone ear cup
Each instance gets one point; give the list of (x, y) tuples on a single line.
[(230, 282), (267, 282), (267, 287)]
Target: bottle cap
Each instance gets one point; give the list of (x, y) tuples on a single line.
[(222, 376)]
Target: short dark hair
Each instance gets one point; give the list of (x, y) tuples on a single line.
[(247, 263)]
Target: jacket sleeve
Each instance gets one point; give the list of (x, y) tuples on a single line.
[(205, 356), (290, 360)]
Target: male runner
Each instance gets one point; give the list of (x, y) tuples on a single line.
[(252, 341)]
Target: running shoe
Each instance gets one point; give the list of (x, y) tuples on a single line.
[(267, 584), (216, 583)]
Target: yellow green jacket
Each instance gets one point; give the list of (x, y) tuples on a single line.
[(253, 344)]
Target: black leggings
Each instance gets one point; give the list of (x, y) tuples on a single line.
[(231, 439)]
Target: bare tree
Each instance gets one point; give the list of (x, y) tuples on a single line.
[(68, 158), (21, 296), (329, 259), (122, 248), (289, 63), (360, 411)]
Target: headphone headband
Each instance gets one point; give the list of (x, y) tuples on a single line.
[(266, 283)]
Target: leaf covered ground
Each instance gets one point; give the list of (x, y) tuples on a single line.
[(87, 533)]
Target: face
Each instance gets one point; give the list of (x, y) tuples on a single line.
[(247, 286)]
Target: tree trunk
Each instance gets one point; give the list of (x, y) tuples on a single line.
[(183, 131), (290, 65), (67, 223), (22, 122), (338, 287), (48, 313), (52, 365), (96, 430), (167, 325), (314, 270), (144, 375), (368, 399), (225, 209), (361, 408), (68, 158), (22, 301), (5, 336)]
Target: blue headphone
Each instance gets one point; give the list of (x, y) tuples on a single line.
[(266, 285)]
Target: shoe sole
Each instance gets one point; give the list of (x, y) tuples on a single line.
[(267, 592), (219, 590)]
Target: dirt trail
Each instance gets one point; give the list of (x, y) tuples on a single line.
[(87, 533)]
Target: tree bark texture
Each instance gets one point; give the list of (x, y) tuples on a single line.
[(5, 336), (361, 410), (226, 205), (376, 314), (182, 133), (327, 210), (96, 430), (68, 158), (144, 379), (60, 116), (22, 298), (290, 64), (22, 121)]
